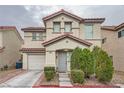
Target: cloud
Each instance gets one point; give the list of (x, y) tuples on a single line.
[(25, 16)]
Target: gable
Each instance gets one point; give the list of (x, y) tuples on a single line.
[(65, 43), (62, 12), (83, 42)]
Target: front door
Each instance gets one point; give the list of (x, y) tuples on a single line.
[(62, 61)]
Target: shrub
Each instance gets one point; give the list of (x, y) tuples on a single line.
[(49, 73), (49, 69), (87, 62), (105, 75), (104, 67), (77, 76), (76, 58)]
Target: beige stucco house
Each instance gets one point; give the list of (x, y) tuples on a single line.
[(52, 45), (113, 43), (10, 44)]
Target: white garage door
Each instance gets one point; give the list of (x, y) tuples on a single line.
[(36, 62)]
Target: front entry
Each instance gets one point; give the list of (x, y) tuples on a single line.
[(62, 61)]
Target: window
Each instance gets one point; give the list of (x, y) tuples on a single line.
[(33, 36), (38, 36), (56, 26), (121, 33), (88, 29), (68, 26), (103, 40)]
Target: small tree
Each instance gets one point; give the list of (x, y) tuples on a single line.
[(87, 62), (104, 67), (76, 58)]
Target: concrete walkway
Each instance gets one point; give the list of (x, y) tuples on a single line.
[(64, 80), (24, 80)]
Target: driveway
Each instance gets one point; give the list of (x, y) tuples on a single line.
[(24, 80)]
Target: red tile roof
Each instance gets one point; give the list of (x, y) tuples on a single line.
[(62, 11), (113, 28), (66, 36), (34, 50), (87, 20), (7, 27), (32, 29), (94, 20)]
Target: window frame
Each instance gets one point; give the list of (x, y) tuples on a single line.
[(54, 28), (85, 32), (70, 26), (38, 35)]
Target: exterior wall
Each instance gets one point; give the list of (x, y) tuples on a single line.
[(77, 29), (1, 41), (12, 45), (62, 19), (51, 50), (25, 61), (96, 40), (114, 47), (29, 43)]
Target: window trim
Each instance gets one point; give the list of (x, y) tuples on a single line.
[(43, 36), (120, 33), (59, 28), (85, 31), (65, 24)]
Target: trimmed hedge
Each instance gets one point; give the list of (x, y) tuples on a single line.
[(77, 76), (49, 69), (49, 73)]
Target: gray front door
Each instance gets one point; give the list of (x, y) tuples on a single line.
[(62, 61)]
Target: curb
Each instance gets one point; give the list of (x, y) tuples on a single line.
[(84, 86)]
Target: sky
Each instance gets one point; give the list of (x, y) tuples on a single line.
[(27, 16)]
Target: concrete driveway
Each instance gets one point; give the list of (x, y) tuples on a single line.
[(24, 80)]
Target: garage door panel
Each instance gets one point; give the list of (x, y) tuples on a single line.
[(36, 62)]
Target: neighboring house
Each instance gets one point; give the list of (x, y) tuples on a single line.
[(113, 43), (10, 43), (52, 45)]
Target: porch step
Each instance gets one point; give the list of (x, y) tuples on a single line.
[(64, 79)]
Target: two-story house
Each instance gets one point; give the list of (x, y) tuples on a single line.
[(10, 44), (113, 43), (52, 45)]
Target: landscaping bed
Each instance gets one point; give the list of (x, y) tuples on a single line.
[(118, 78), (8, 74), (44, 83)]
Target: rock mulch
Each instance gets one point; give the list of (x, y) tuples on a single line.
[(6, 75)]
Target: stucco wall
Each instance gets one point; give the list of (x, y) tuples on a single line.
[(77, 29), (62, 44), (29, 43), (12, 46), (25, 61), (1, 42), (61, 18), (114, 47)]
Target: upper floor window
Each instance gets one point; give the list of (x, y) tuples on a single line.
[(120, 33), (56, 26), (68, 26), (88, 29), (38, 36)]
